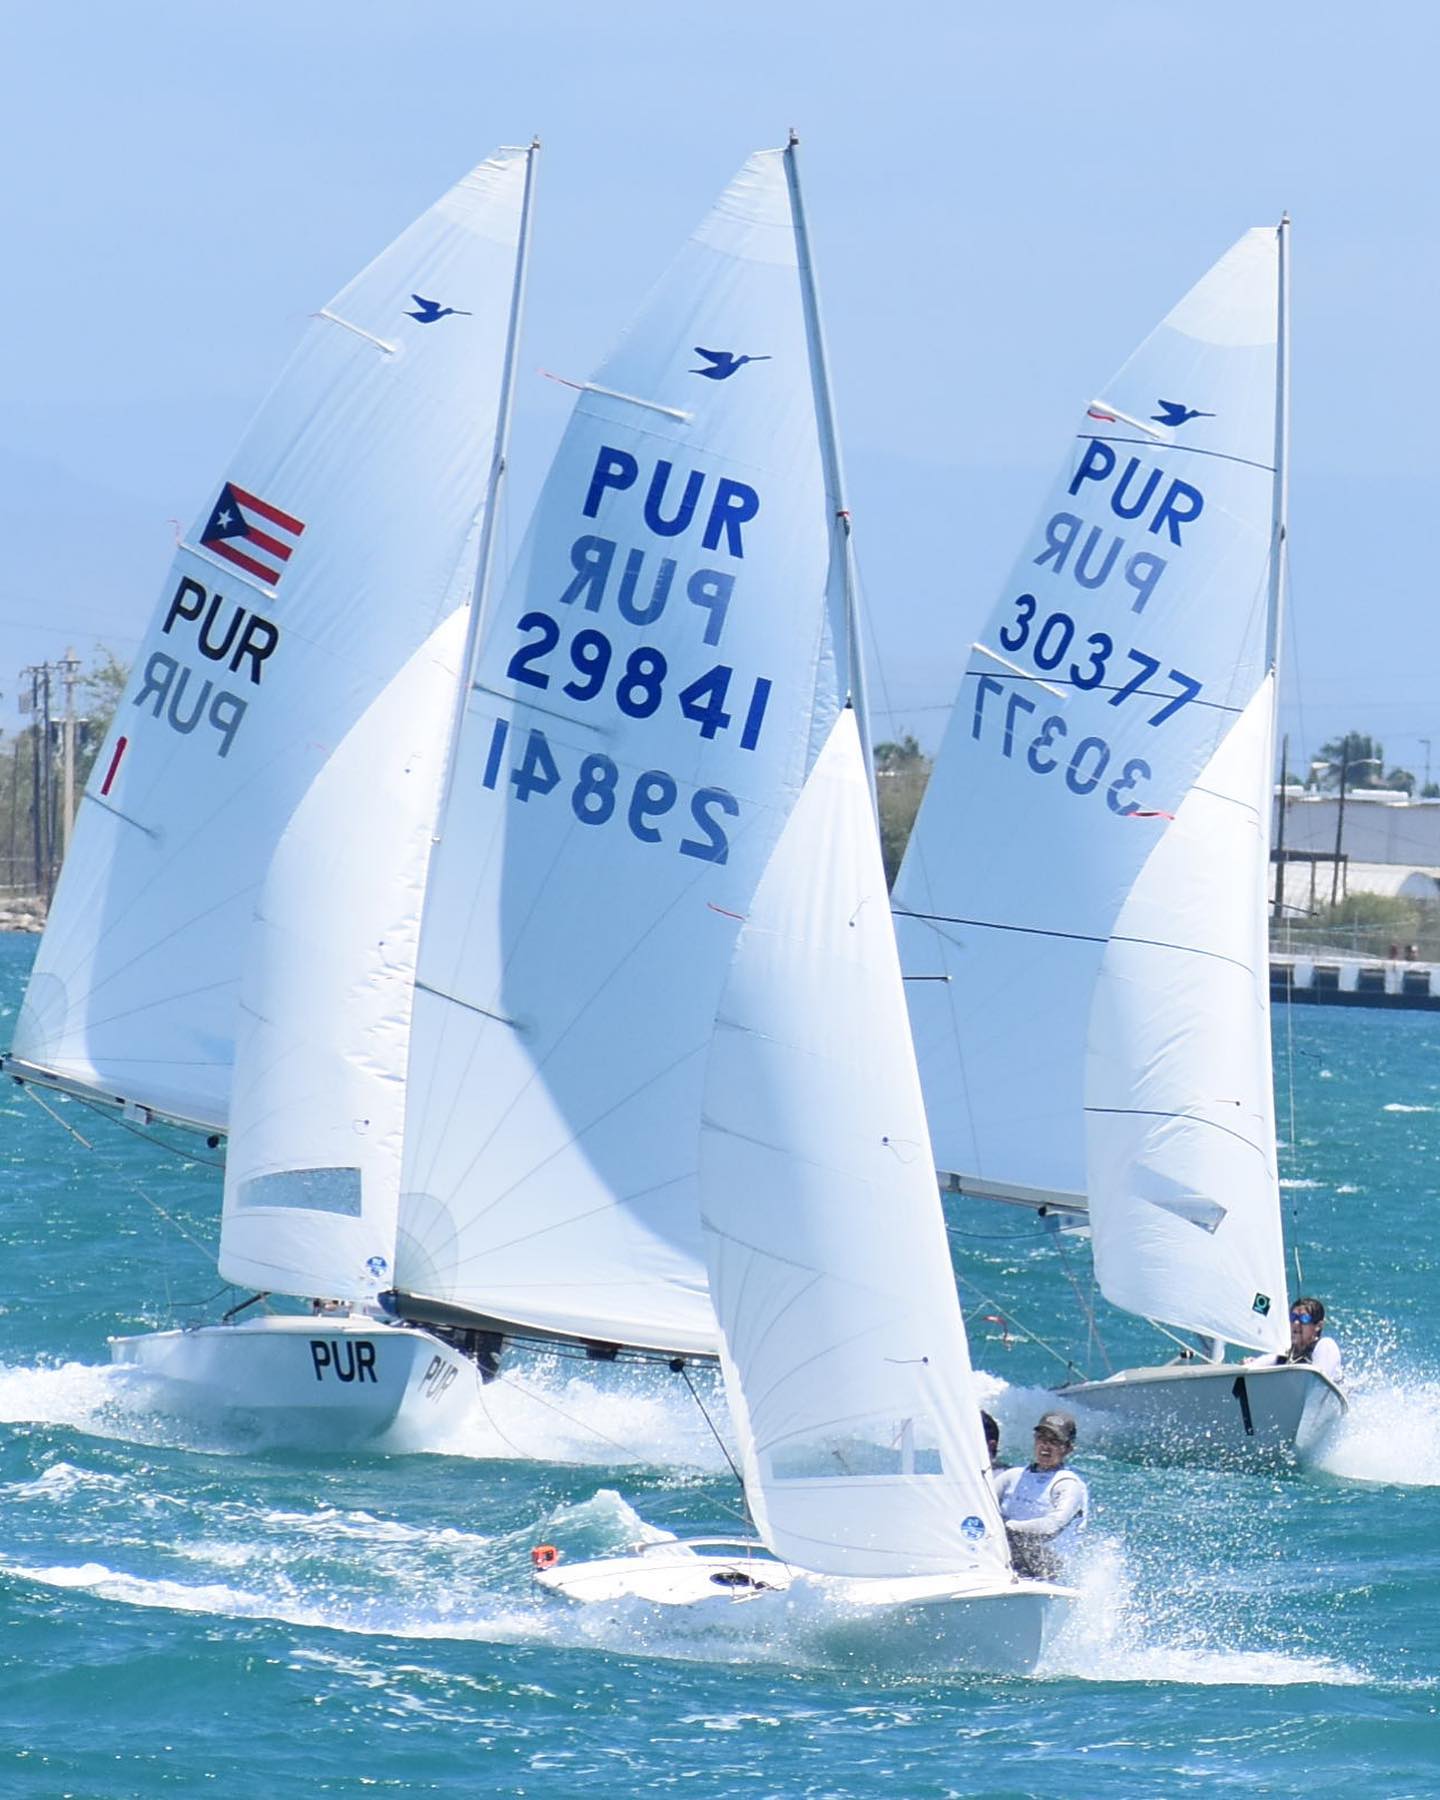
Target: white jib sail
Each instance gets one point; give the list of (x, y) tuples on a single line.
[(312, 1167), (1129, 638), (843, 1347), (324, 556), (1184, 1201), (653, 687)]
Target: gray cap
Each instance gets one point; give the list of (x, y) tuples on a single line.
[(1058, 1424)]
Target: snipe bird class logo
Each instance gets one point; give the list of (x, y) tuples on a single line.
[(1173, 413), (973, 1528), (723, 363), (431, 310)]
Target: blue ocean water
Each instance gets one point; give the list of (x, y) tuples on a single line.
[(185, 1609)]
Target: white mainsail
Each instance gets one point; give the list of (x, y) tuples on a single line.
[(339, 538), (1135, 633), (843, 1348), (312, 1165), (1180, 1111), (652, 690)]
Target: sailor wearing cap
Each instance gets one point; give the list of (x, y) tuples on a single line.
[(1044, 1504)]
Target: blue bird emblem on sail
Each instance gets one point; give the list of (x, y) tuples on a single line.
[(431, 310), (723, 363), (1173, 413)]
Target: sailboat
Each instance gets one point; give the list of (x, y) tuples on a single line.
[(655, 683), (310, 622), (842, 1345), (492, 938), (1081, 908), (840, 1339)]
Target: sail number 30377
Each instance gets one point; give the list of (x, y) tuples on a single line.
[(1046, 748), (597, 793)]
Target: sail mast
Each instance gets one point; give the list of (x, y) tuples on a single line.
[(841, 550), (1281, 531), (499, 467)]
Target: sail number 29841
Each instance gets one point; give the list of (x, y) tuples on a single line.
[(597, 793), (639, 682)]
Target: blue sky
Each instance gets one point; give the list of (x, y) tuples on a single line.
[(1003, 200)]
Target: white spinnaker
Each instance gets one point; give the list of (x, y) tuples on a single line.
[(1114, 665), (843, 1348), (312, 1167), (368, 462), (596, 856), (1180, 1120)]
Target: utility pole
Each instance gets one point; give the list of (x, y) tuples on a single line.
[(1340, 814), (68, 670), (1339, 832), (47, 770), (38, 866)]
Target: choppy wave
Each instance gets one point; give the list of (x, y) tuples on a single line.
[(439, 1585)]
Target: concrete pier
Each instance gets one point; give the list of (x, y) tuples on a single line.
[(1318, 979)]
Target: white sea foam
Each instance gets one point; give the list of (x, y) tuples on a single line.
[(1396, 1106), (1113, 1635), (549, 1409), (1391, 1433)]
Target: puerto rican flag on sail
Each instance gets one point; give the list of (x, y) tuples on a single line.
[(251, 533)]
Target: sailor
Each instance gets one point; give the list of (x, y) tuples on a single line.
[(990, 1425), (1044, 1504), (1307, 1345)]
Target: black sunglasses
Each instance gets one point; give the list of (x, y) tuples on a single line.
[(1302, 1318)]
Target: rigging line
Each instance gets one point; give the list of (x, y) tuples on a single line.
[(112, 1118), (1077, 937), (65, 1125), (627, 1450), (684, 1374), (1011, 1319), (1087, 1310), (1173, 1336)]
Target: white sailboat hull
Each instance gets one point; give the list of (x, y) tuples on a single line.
[(339, 1382), (1210, 1412), (993, 1625)]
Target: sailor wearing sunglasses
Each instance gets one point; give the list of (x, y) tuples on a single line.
[(1307, 1322)]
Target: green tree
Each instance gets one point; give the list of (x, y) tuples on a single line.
[(901, 771), (29, 841), (101, 688), (1362, 759)]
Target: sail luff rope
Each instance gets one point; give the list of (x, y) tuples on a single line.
[(684, 1374)]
